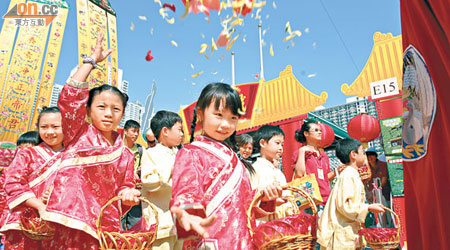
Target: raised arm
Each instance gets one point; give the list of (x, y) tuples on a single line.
[(75, 94)]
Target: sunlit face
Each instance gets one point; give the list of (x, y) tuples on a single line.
[(131, 134), (314, 134), (50, 130), (246, 150), (106, 111), (272, 149), (220, 123), (174, 135), (360, 157)]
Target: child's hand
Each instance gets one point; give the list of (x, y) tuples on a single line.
[(341, 168), (272, 192), (192, 222), (130, 197), (376, 208), (99, 55)]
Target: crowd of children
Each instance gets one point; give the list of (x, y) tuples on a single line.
[(71, 167)]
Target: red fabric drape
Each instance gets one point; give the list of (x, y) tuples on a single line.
[(426, 26), (290, 145)]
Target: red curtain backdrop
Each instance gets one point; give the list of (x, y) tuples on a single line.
[(426, 26)]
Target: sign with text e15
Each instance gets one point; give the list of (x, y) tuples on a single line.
[(384, 88)]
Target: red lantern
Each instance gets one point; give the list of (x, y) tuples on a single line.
[(327, 135), (364, 128)]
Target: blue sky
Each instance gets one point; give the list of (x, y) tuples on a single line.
[(355, 20)]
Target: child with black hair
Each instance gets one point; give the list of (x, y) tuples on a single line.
[(269, 141), (157, 168), (30, 176), (28, 139), (345, 209), (96, 166), (211, 187)]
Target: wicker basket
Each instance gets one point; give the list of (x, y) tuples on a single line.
[(392, 244), (35, 228), (300, 241), (126, 240)]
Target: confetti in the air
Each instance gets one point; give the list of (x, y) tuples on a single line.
[(244, 38), (170, 6), (149, 57), (163, 13), (271, 49), (159, 2), (292, 34), (267, 16), (174, 43), (214, 73), (170, 21), (232, 41), (132, 26), (199, 73), (202, 35), (314, 45), (143, 18), (274, 5), (193, 83), (192, 66), (306, 30), (151, 31), (311, 75)]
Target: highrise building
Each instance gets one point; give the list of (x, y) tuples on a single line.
[(133, 111), (123, 86), (148, 112), (56, 90)]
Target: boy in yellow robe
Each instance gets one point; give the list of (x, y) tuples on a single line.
[(345, 209), (157, 168)]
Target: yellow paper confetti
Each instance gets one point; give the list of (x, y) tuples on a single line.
[(232, 41), (311, 75), (214, 73), (170, 21), (257, 16), (186, 10), (199, 73), (143, 18), (132, 26), (163, 13), (203, 48), (151, 31), (297, 33), (174, 43), (244, 38), (288, 38), (271, 49), (274, 5), (238, 21), (213, 45), (306, 30), (292, 43), (159, 2), (288, 28), (258, 5)]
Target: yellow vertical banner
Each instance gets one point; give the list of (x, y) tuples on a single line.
[(22, 81), (112, 31), (84, 42), (50, 63), (7, 35), (97, 23)]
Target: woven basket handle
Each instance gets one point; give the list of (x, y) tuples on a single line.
[(100, 216), (259, 196)]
